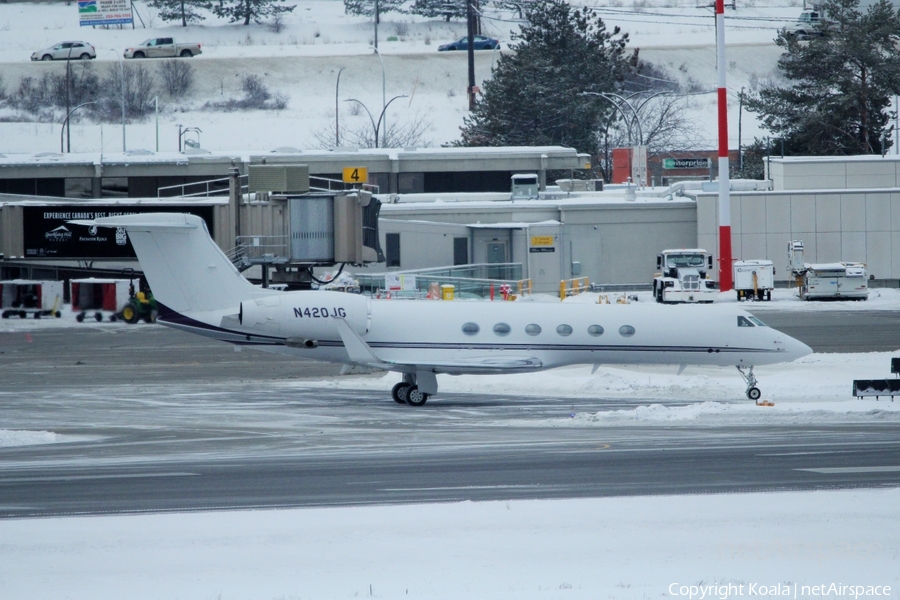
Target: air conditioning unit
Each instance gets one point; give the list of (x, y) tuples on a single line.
[(278, 178)]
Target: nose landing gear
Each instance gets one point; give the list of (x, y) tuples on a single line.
[(752, 391)]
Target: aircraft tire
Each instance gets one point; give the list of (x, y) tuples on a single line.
[(414, 397), (398, 393), (754, 393)]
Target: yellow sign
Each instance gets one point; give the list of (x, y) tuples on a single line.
[(542, 240), (356, 174)]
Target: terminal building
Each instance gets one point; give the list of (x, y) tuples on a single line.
[(527, 207)]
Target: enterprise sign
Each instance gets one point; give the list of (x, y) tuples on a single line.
[(685, 163)]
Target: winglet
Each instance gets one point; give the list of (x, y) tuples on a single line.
[(357, 349)]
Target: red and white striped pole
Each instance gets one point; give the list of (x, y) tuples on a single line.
[(725, 277)]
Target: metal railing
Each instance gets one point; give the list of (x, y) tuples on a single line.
[(336, 185), (210, 187), (217, 186), (470, 281), (259, 249), (573, 287)]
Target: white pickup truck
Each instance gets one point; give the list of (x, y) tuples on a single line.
[(164, 47)]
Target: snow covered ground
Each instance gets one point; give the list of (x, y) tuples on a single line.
[(611, 548), (675, 34)]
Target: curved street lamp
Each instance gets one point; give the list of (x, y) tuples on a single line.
[(65, 125), (376, 126)]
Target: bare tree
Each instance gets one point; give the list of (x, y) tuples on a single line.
[(177, 77), (399, 134)]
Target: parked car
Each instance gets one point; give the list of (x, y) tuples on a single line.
[(162, 48), (65, 51), (480, 43)]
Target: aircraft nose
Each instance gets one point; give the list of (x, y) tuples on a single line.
[(795, 348)]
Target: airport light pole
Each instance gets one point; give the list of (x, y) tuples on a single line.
[(337, 127), (65, 128), (376, 125), (383, 85), (618, 106)]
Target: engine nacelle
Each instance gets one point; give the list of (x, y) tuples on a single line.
[(305, 317)]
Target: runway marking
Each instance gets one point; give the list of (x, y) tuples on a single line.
[(840, 470), (806, 453), (87, 477), (466, 487)]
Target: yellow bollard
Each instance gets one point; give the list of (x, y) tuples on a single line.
[(447, 291)]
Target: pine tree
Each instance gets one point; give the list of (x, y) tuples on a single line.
[(181, 10), (449, 9), (840, 85), (366, 8), (536, 95), (250, 9)]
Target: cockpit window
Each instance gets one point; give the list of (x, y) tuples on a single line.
[(757, 321), (745, 322)]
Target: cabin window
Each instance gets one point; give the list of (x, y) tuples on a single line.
[(757, 321), (501, 329), (532, 329), (595, 330), (745, 322), (470, 328), (564, 330), (626, 331)]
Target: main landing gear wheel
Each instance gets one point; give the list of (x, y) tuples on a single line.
[(414, 397), (398, 393)]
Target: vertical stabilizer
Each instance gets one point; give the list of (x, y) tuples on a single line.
[(186, 270)]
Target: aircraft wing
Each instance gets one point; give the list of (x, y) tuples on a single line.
[(360, 353)]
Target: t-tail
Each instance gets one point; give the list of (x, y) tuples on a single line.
[(186, 270)]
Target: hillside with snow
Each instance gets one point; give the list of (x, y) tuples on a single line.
[(319, 40)]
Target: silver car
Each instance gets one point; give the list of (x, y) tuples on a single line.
[(65, 51)]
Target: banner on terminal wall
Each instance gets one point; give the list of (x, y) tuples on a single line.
[(104, 12), (47, 232)]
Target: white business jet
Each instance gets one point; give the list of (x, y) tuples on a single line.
[(200, 291)]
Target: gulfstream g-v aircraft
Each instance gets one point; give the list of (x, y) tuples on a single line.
[(200, 291)]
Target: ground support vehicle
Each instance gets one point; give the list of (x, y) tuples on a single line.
[(24, 297), (684, 277), (754, 279), (162, 48), (140, 306), (100, 297), (835, 281)]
